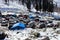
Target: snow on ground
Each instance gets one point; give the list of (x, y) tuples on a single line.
[(26, 33), (15, 5)]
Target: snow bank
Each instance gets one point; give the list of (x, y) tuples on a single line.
[(27, 33)]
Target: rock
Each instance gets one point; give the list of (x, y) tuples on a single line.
[(27, 39), (2, 36), (17, 32), (43, 25), (37, 34), (47, 38)]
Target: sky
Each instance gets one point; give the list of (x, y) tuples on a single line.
[(58, 2)]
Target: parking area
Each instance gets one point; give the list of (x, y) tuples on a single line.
[(9, 20), (37, 27)]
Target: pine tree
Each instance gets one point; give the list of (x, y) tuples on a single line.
[(6, 1), (40, 5), (36, 5), (45, 5), (23, 2), (50, 6), (28, 3)]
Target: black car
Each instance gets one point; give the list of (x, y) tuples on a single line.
[(4, 22)]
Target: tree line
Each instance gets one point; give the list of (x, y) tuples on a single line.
[(38, 4)]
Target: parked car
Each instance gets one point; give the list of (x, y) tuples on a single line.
[(4, 22), (12, 21), (50, 23)]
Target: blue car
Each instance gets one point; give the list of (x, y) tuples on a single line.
[(18, 26)]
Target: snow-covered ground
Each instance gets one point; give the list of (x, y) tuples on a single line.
[(13, 6), (28, 32)]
